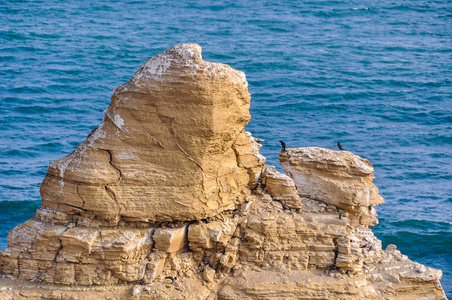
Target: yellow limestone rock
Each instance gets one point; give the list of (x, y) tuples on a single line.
[(281, 187), (169, 199), (208, 274), (170, 240), (165, 148), (171, 149), (338, 178)]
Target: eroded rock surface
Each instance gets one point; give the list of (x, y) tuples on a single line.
[(165, 149), (169, 198), (339, 178)]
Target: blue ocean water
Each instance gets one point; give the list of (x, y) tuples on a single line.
[(374, 75)]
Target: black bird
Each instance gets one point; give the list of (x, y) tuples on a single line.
[(340, 146), (370, 248), (283, 145), (340, 216)]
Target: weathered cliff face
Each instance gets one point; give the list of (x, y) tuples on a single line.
[(338, 178), (165, 149), (169, 198)]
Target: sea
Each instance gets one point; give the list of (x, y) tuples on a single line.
[(373, 75)]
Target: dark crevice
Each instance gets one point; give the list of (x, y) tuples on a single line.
[(83, 200), (111, 163), (73, 206), (61, 245), (336, 250), (112, 195), (237, 155)]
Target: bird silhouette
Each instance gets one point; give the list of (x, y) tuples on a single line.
[(340, 146), (283, 145)]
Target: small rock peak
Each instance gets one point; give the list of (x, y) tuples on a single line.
[(165, 64), (186, 52), (342, 159), (338, 178)]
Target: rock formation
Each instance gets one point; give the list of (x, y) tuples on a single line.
[(169, 198)]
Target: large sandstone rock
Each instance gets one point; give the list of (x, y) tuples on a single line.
[(169, 198), (165, 148)]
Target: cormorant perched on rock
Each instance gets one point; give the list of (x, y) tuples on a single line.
[(340, 146), (283, 145)]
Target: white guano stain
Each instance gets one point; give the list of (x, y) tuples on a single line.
[(98, 133), (119, 122), (153, 68)]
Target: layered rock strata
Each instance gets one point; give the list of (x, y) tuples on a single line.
[(338, 178), (169, 198)]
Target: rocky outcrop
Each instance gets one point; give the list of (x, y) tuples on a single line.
[(169, 198), (338, 178), (165, 149)]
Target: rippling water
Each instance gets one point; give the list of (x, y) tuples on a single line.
[(375, 75)]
